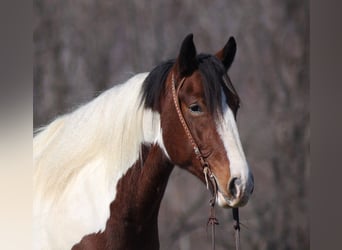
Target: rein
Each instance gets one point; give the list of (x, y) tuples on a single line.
[(208, 175)]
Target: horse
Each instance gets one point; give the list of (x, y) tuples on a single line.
[(101, 170)]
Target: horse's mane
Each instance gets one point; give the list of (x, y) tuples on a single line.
[(108, 129)]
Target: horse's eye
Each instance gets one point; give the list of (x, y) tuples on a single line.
[(195, 108)]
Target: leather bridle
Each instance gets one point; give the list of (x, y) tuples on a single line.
[(205, 165), (208, 175)]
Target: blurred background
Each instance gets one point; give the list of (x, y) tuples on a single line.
[(83, 47)]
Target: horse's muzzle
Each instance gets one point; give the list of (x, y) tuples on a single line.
[(239, 191)]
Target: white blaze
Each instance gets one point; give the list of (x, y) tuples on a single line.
[(229, 134)]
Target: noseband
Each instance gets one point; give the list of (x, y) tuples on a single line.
[(208, 175)]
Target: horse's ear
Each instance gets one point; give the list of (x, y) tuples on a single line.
[(186, 60), (227, 54)]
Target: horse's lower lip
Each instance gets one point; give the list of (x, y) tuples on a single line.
[(227, 202)]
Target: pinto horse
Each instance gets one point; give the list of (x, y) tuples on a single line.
[(101, 171)]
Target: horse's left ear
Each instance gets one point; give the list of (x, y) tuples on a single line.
[(227, 54), (186, 60)]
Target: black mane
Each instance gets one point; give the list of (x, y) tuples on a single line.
[(214, 76), (154, 84)]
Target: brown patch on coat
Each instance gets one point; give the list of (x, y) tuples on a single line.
[(133, 221)]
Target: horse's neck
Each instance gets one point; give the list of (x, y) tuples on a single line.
[(133, 222), (141, 189)]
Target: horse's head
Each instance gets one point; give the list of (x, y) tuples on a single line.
[(206, 99)]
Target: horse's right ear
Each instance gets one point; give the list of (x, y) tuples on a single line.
[(186, 60), (227, 54)]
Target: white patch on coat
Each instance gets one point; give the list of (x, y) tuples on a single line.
[(80, 157)]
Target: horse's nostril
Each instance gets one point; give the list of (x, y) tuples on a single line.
[(233, 187)]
